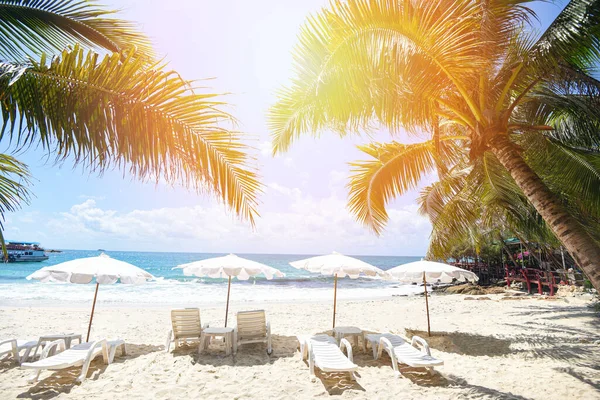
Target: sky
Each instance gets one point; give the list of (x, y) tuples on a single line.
[(245, 48)]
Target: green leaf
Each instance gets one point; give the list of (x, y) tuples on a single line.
[(31, 27), (116, 111)]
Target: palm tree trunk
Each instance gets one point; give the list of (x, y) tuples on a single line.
[(584, 249)]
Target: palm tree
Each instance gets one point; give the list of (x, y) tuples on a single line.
[(470, 74), (86, 88), (476, 204)]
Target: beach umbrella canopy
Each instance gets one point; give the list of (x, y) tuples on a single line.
[(421, 271), (102, 268), (338, 265), (229, 266)]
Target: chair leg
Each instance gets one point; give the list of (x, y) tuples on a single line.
[(169, 339), (33, 378), (201, 344), (228, 345), (269, 345), (25, 357)]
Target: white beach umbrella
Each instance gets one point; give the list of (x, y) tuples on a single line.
[(228, 267), (421, 271), (338, 265), (104, 269)]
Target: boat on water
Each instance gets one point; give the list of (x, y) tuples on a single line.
[(25, 252)]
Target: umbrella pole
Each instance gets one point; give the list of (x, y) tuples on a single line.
[(426, 304), (227, 307), (92, 315), (334, 297)]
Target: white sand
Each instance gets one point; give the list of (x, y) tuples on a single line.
[(522, 349)]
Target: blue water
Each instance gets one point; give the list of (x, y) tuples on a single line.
[(161, 264), (172, 287)]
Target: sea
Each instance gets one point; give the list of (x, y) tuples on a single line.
[(172, 289)]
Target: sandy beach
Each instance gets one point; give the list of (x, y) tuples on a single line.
[(520, 348)]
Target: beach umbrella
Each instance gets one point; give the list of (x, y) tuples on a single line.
[(104, 269), (228, 267), (339, 266), (421, 271)]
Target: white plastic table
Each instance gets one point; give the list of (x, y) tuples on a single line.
[(225, 333), (352, 331), (67, 337), (374, 339)]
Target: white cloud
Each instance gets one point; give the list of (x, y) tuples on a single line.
[(288, 162), (306, 225), (337, 182), (88, 196), (284, 190), (266, 148)]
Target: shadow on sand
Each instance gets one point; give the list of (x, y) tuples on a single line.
[(464, 343), (478, 392), (63, 381), (247, 355)]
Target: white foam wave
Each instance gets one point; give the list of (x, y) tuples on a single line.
[(170, 292)]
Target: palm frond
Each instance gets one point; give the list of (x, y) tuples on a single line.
[(14, 189), (118, 112), (573, 38), (393, 169), (347, 53), (30, 27), (433, 197), (572, 109), (14, 181), (573, 173)]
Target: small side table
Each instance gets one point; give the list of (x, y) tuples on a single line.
[(225, 333), (374, 339), (345, 331), (67, 337)]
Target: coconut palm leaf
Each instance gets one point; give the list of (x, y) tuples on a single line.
[(14, 182), (32, 27), (394, 169), (116, 111), (572, 172), (433, 197), (574, 118), (347, 52), (572, 38)]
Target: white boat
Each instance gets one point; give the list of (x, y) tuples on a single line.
[(25, 252)]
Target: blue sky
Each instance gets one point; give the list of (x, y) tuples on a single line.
[(245, 46)]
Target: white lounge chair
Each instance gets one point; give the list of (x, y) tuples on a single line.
[(14, 347), (185, 325), (81, 354), (252, 327), (402, 352), (323, 352)]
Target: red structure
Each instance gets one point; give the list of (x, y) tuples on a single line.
[(533, 276)]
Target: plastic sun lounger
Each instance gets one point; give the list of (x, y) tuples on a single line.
[(81, 354), (324, 353), (402, 352), (186, 326), (252, 327), (15, 346)]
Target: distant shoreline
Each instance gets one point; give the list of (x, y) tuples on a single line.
[(233, 252)]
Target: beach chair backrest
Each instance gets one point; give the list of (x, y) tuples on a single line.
[(186, 323), (251, 324)]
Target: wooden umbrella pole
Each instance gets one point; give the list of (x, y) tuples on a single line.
[(334, 297), (426, 304), (92, 315), (227, 307)]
